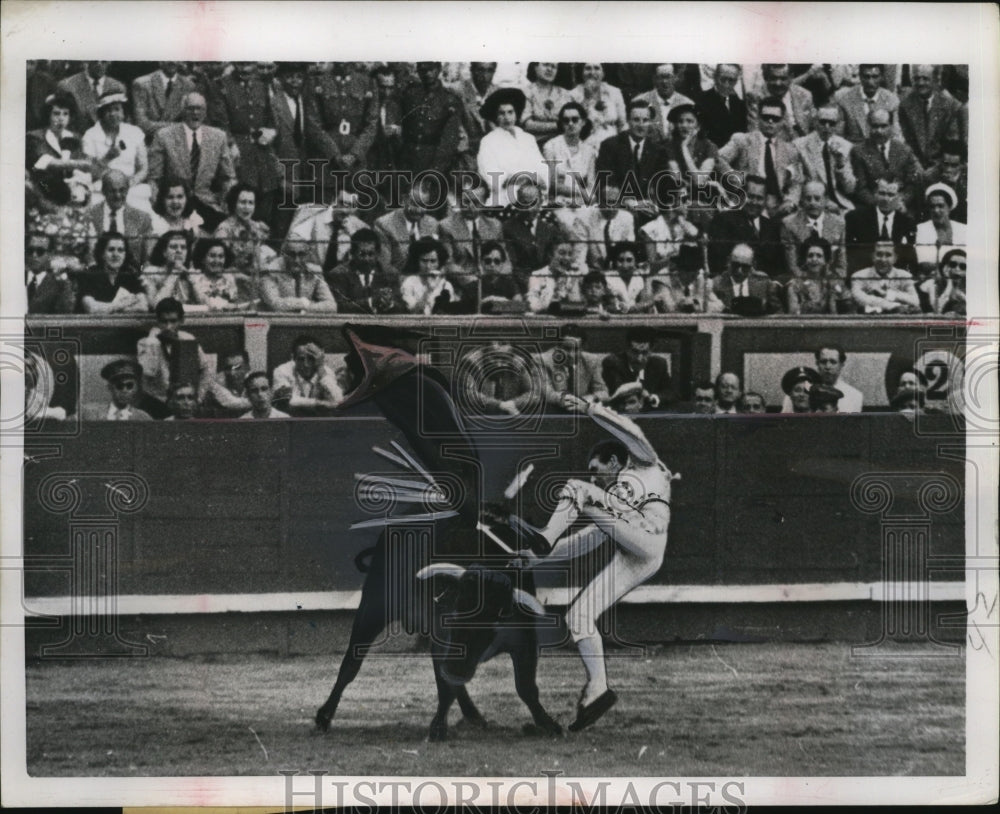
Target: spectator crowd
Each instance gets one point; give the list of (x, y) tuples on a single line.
[(466, 188)]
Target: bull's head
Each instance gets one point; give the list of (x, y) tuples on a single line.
[(479, 600)]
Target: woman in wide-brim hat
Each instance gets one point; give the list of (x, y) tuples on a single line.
[(508, 156)]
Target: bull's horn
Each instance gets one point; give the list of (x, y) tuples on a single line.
[(441, 569), (528, 602)]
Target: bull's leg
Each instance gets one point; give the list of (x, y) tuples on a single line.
[(446, 695), (470, 711), (525, 659), (370, 620)]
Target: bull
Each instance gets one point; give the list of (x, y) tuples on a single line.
[(479, 611)]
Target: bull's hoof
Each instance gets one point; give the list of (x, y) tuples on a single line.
[(549, 729), (476, 720), (438, 733), (323, 720)]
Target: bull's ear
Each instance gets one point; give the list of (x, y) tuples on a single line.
[(441, 569), (527, 602)]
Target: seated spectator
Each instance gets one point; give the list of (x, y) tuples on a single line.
[(882, 288), (604, 103), (473, 92), (293, 284), (663, 99), (173, 210), (765, 152), (396, 230), (721, 111), (425, 289), (86, 88), (744, 290), (637, 363), (813, 220), (245, 236), (466, 229), (944, 293), (602, 226), (169, 272), (797, 102), (682, 287), (529, 233), (907, 402), (162, 359), (884, 221), (664, 236), (597, 298), (114, 144), (704, 399), (940, 234), (122, 377), (215, 284), (855, 102), (53, 154), (112, 285), (329, 230), (928, 114), (49, 291), (259, 393), (544, 100), (817, 290), (825, 156), (226, 396), (951, 169), (727, 392), (567, 368), (507, 155), (182, 402), (749, 225), (497, 381), (353, 283), (556, 283), (880, 155), (199, 154), (571, 155), (39, 387), (497, 283), (114, 215), (72, 230), (306, 383), (624, 282), (690, 155), (796, 383), (823, 398), (829, 363), (631, 160), (751, 403)]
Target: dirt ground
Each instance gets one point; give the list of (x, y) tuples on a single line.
[(684, 710)]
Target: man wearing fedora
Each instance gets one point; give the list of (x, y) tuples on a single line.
[(123, 377)]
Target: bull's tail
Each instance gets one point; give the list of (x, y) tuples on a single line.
[(363, 562)]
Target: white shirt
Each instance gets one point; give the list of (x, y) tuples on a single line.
[(96, 144), (189, 136), (119, 219), (742, 289), (420, 297), (114, 414), (275, 413), (502, 154), (852, 401), (887, 219), (815, 223), (53, 141)]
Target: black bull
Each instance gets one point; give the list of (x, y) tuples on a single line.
[(418, 403)]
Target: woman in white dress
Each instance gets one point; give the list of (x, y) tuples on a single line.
[(114, 144), (604, 103), (508, 157), (571, 155), (940, 234)]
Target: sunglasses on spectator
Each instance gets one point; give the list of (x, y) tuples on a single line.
[(770, 118), (571, 119), (492, 261), (956, 265), (37, 250), (827, 121), (735, 265), (124, 384)]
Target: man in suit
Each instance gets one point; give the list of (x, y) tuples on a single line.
[(465, 230), (749, 225), (600, 228), (396, 230), (743, 289), (123, 377), (881, 154), (825, 156), (48, 292), (637, 363), (294, 125), (865, 226), (86, 88), (384, 152), (928, 115), (529, 233), (115, 216), (158, 97), (720, 111), (328, 229), (292, 284), (858, 101), (567, 368), (882, 288), (354, 283), (431, 121), (766, 153), (473, 92), (813, 219), (662, 99), (194, 152), (629, 160), (799, 112)]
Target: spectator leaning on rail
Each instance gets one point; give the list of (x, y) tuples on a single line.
[(743, 289), (160, 355), (637, 363), (259, 393), (49, 291), (567, 368), (122, 377), (293, 284), (306, 383), (882, 288), (355, 281), (226, 396)]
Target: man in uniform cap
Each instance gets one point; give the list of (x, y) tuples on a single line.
[(431, 117), (797, 383), (123, 377), (823, 398)]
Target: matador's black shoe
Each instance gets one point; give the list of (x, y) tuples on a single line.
[(531, 537), (588, 715)]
